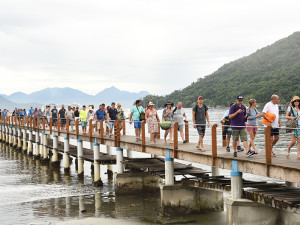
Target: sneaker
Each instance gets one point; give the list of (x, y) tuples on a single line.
[(136, 139), (227, 149), (235, 154), (250, 153), (110, 136), (185, 141), (239, 149)]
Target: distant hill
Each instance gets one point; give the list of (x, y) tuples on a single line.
[(70, 95), (6, 104), (274, 69)]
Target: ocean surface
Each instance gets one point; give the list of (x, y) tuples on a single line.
[(34, 194)]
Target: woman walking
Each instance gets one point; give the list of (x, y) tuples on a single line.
[(168, 116), (121, 115), (152, 120), (293, 113), (252, 115)]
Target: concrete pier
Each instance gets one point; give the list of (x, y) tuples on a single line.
[(19, 139), (14, 137), (236, 181), (10, 136), (80, 159), (66, 155), (37, 145), (45, 158), (97, 175), (187, 200), (55, 161), (110, 171), (41, 152)]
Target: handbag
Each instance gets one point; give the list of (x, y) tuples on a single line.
[(142, 114), (291, 123)]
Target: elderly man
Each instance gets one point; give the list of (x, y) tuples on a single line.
[(179, 116), (272, 107)]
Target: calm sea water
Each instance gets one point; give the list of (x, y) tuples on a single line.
[(34, 194)]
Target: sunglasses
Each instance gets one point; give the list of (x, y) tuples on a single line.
[(297, 101)]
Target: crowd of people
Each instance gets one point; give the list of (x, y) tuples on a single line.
[(238, 120)]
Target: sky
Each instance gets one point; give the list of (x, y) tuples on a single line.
[(135, 45)]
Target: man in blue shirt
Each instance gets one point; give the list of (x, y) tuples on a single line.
[(135, 115), (101, 114), (30, 111)]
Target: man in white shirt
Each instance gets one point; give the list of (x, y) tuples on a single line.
[(272, 107), (179, 116)]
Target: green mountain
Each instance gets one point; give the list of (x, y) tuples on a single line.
[(274, 69)]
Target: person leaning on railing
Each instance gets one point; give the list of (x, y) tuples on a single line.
[(293, 113)]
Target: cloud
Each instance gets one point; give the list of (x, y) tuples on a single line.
[(134, 45)]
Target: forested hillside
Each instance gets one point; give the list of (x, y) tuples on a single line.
[(274, 69)]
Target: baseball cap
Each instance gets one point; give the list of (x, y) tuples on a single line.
[(240, 97), (200, 97)]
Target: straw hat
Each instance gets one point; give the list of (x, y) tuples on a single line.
[(295, 98), (90, 108), (150, 103)]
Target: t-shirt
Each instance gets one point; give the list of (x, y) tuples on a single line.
[(200, 115), (239, 119), (136, 111), (178, 116), (70, 114), (83, 114), (272, 108), (76, 113), (62, 113), (54, 113), (100, 114), (112, 113), (22, 113), (31, 112), (4, 113), (252, 114)]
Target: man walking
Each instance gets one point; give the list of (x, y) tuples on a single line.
[(200, 115), (272, 107), (82, 115), (179, 116), (100, 113), (136, 111), (62, 117), (54, 113), (112, 115), (238, 114)]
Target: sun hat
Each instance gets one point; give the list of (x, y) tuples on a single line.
[(169, 103), (90, 108), (295, 98), (150, 103), (119, 104)]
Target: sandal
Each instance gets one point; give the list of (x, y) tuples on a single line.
[(287, 154), (202, 150), (273, 154)]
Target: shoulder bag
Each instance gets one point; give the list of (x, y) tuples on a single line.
[(291, 123)]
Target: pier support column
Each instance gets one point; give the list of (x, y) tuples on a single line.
[(7, 135), (97, 175), (19, 139), (80, 159), (215, 171), (55, 161), (110, 171), (66, 155), (1, 133), (45, 158), (236, 181), (30, 147), (37, 145), (10, 136), (41, 146), (169, 169), (15, 137), (119, 159), (291, 184), (24, 148), (129, 154)]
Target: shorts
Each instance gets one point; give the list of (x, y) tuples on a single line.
[(239, 133), (226, 132), (83, 123), (111, 124), (63, 121), (137, 124), (180, 127), (48, 118), (251, 128), (274, 131), (71, 122), (54, 120), (201, 130)]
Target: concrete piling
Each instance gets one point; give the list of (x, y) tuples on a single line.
[(14, 137), (45, 158), (55, 161), (37, 145), (169, 169), (236, 181), (80, 158), (24, 148), (119, 160), (30, 147), (109, 167), (97, 175), (7, 135), (19, 139), (10, 136), (66, 155)]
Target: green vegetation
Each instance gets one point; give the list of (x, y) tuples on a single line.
[(274, 69)]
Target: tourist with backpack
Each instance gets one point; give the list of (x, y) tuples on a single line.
[(137, 112), (200, 116), (238, 116)]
